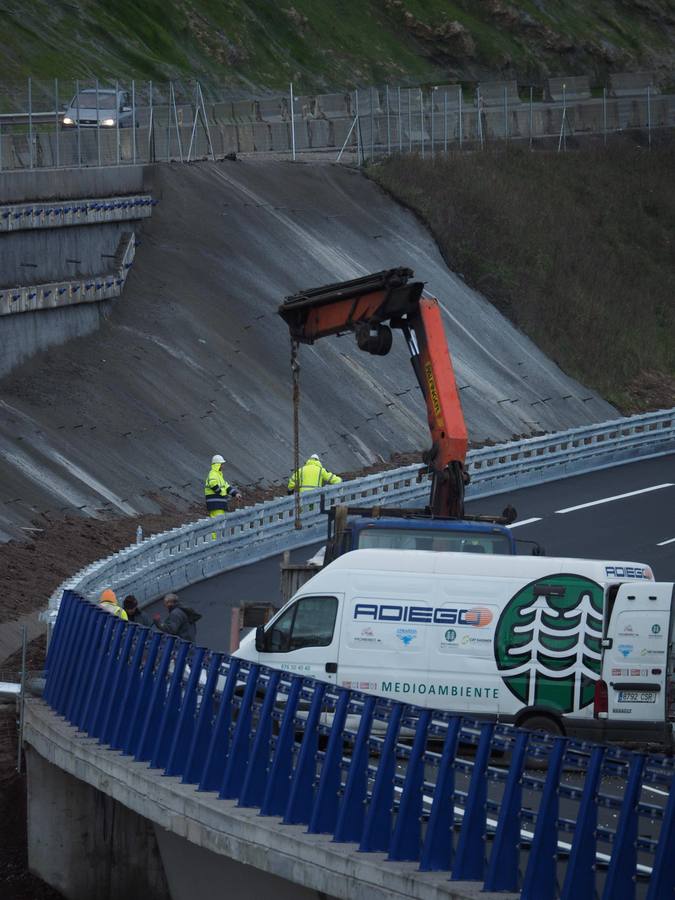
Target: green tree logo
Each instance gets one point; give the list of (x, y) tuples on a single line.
[(547, 642)]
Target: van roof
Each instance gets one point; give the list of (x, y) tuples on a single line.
[(492, 565)]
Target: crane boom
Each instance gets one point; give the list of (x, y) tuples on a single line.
[(371, 307)]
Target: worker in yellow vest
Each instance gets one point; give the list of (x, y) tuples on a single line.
[(108, 603), (218, 491), (311, 476)]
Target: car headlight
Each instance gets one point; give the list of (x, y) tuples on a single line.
[(108, 122), (68, 121)]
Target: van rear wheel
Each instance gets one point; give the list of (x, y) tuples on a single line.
[(548, 725)]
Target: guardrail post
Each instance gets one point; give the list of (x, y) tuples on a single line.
[(180, 742), (201, 735), (253, 788), (132, 729), (279, 781), (116, 690), (620, 881), (437, 848), (237, 758), (662, 882), (131, 689), (153, 711), (169, 707), (324, 814), (349, 826), (377, 826), (301, 795), (540, 876), (502, 874), (580, 874), (216, 754), (406, 840), (469, 864)]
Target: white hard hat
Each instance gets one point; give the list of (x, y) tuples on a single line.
[(314, 456), (217, 459)]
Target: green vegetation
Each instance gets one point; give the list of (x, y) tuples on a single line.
[(576, 248), (320, 45)]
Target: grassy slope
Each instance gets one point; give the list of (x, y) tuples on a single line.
[(576, 248), (319, 44)]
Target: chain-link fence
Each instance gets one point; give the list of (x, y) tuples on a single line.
[(87, 123)]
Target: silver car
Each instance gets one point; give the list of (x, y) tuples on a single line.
[(106, 108)]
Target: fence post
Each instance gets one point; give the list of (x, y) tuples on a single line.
[(422, 122), (153, 712), (531, 111), (604, 116), (506, 115), (432, 96), (292, 121), (79, 134), (98, 126), (580, 875), (180, 736), (540, 876), (116, 685), (201, 734), (437, 848), (30, 123), (278, 782), (216, 753), (372, 126), (386, 90), (662, 882), (324, 814), (469, 862), (377, 827), (133, 121), (253, 788), (405, 842), (502, 873), (151, 159), (459, 100), (445, 122), (620, 880), (131, 689), (349, 825), (56, 122), (649, 115), (301, 796), (409, 120), (131, 738), (400, 123)]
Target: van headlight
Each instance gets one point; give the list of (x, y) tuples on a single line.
[(68, 121), (108, 122)]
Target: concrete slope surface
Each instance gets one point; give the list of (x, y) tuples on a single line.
[(193, 359)]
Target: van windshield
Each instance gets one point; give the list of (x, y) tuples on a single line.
[(433, 539), (87, 100)]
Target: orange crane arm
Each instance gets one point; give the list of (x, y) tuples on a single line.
[(371, 307)]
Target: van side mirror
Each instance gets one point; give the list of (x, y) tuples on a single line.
[(126, 109), (260, 643), (607, 643)]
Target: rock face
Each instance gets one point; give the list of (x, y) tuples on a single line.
[(194, 360)]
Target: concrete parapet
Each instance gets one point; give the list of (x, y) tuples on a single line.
[(494, 93), (570, 87), (23, 217), (626, 84), (40, 184), (273, 109), (246, 111), (333, 106)]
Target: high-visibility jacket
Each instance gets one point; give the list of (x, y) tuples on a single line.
[(216, 491), (312, 476), (114, 610)]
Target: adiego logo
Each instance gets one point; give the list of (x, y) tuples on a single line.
[(637, 572), (476, 617)]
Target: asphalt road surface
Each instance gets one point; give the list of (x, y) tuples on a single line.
[(625, 514)]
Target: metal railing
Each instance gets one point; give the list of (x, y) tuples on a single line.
[(448, 793), (209, 547)]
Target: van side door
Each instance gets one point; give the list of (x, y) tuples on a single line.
[(635, 666), (304, 638)]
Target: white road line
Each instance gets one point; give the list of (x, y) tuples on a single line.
[(669, 541), (656, 487), (524, 522)]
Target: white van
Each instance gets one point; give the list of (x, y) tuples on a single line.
[(538, 641)]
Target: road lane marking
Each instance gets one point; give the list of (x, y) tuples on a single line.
[(669, 541), (656, 487), (524, 522)]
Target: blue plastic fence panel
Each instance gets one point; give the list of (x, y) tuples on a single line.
[(662, 882), (216, 754), (237, 759), (255, 780), (67, 672), (406, 842), (580, 874), (469, 864), (279, 781), (131, 689), (59, 644), (170, 707), (437, 848), (377, 829), (349, 826), (185, 726), (117, 685), (97, 685), (92, 655), (109, 668), (205, 721), (502, 873), (130, 736), (81, 660), (153, 713), (324, 814), (540, 876), (301, 795), (620, 881)]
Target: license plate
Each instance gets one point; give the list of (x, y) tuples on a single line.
[(637, 697)]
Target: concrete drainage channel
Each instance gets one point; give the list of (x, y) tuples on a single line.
[(186, 555)]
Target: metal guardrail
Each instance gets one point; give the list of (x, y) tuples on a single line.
[(449, 793), (185, 555)]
